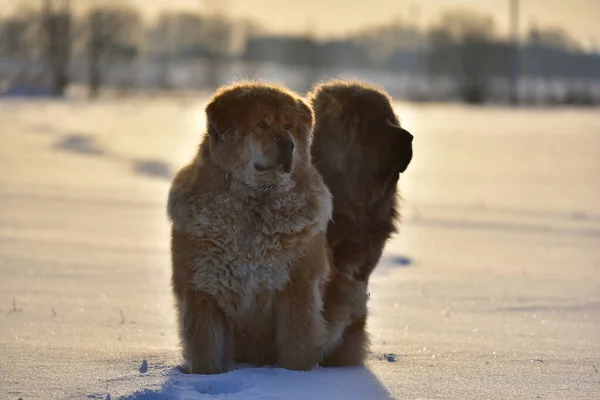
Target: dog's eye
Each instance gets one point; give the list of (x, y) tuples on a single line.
[(262, 125), (288, 127)]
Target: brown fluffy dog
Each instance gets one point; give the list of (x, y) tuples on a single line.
[(360, 150), (249, 252)]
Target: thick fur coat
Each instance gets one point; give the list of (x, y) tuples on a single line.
[(360, 150), (249, 251)]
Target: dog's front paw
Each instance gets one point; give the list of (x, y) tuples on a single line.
[(299, 359)]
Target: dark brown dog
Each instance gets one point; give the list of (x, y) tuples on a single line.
[(360, 150)]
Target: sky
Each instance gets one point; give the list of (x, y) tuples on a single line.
[(335, 17)]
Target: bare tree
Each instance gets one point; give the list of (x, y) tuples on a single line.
[(56, 27), (382, 41), (112, 35), (15, 37), (464, 46), (217, 34), (176, 35), (218, 31), (552, 37)]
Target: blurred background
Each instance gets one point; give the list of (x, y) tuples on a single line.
[(501, 51)]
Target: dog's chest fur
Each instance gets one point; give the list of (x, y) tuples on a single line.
[(247, 242)]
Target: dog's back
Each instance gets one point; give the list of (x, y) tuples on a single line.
[(360, 151)]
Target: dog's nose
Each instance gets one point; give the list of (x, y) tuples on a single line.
[(285, 145), (285, 148)]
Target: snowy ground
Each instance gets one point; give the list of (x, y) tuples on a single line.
[(492, 289)]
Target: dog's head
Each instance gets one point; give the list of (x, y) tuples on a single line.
[(358, 124), (259, 133)]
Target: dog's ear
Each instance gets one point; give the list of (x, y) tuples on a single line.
[(401, 147), (221, 114), (307, 115)]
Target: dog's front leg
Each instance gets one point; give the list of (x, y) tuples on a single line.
[(207, 340), (300, 328)]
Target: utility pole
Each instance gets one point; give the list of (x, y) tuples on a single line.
[(414, 15), (515, 59)]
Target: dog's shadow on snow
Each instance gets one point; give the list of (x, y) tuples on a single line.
[(153, 168), (87, 145), (399, 261), (80, 144), (270, 383)]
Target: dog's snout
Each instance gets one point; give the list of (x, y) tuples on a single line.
[(285, 149), (278, 155), (285, 145)]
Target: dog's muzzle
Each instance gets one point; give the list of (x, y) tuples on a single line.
[(285, 154)]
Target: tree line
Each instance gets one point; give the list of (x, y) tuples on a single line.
[(462, 45)]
